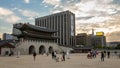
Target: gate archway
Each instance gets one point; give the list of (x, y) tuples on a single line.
[(42, 49), (31, 49), (50, 49)]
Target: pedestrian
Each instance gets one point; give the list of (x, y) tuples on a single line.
[(47, 53), (63, 56), (108, 54), (53, 55), (34, 55), (115, 52), (102, 56), (67, 53), (18, 54), (104, 53)]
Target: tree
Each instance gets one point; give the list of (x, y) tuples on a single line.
[(98, 46), (118, 46)]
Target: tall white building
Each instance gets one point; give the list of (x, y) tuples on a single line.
[(64, 23)]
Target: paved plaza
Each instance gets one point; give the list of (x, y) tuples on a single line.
[(43, 61)]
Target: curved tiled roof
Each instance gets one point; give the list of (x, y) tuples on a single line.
[(32, 35), (33, 27), (38, 36), (6, 44)]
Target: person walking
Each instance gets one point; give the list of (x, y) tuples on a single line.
[(102, 56), (67, 53), (53, 55), (63, 56), (34, 55), (108, 54), (18, 54)]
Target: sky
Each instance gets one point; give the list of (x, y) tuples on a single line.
[(100, 15)]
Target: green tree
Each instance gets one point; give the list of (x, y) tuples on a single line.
[(118, 46), (99, 47)]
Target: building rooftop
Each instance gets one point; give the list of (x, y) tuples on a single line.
[(33, 27), (4, 43)]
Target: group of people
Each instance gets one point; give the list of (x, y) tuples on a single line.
[(103, 55), (55, 56), (94, 53), (64, 55)]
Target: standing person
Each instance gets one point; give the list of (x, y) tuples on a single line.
[(18, 54), (63, 56), (47, 53), (102, 56), (34, 55), (67, 53), (104, 53), (115, 52), (53, 55), (108, 53)]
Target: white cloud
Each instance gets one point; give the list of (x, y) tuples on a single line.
[(12, 19), (52, 2), (5, 12), (95, 20), (88, 7), (8, 15), (26, 1), (28, 13)]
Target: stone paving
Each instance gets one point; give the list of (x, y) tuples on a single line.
[(43, 61)]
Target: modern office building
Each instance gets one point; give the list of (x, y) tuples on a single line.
[(84, 39), (81, 39), (64, 23), (7, 36), (83, 43), (99, 39), (113, 44)]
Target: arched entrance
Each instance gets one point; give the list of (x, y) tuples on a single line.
[(42, 49), (31, 49), (50, 49)]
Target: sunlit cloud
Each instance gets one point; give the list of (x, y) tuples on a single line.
[(26, 1), (52, 2), (28, 13), (8, 15), (5, 12)]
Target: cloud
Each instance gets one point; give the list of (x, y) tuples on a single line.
[(94, 19), (52, 2), (28, 13), (5, 12), (114, 36), (13, 18), (8, 15), (26, 1), (86, 8)]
